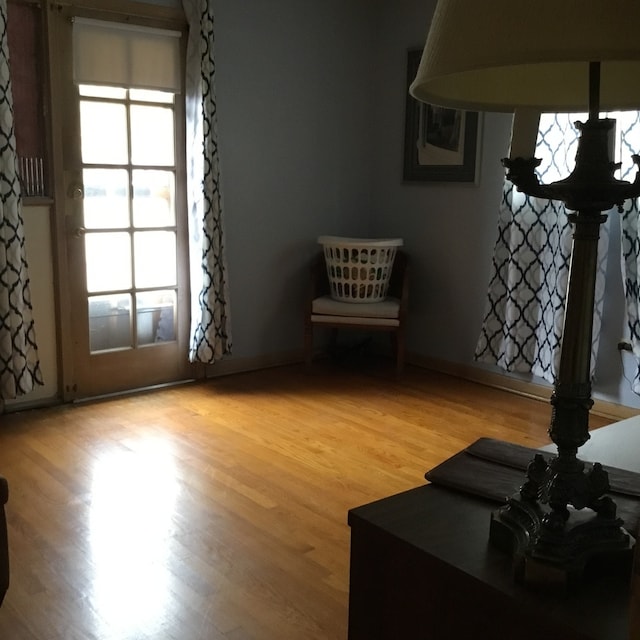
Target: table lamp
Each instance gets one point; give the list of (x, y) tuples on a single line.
[(552, 56)]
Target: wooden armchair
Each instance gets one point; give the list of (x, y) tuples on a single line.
[(4, 547), (389, 315)]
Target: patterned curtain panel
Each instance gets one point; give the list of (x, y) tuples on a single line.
[(19, 364), (522, 328), (628, 126), (210, 318)]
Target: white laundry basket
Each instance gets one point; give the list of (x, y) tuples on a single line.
[(359, 269)]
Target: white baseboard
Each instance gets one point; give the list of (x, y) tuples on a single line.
[(541, 392), (226, 367), (479, 375), (525, 388)]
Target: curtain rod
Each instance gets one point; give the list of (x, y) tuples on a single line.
[(34, 3), (123, 8)]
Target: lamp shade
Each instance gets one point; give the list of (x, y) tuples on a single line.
[(498, 55)]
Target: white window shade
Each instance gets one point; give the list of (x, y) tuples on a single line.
[(125, 55)]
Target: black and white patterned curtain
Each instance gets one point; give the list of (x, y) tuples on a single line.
[(628, 126), (210, 313), (522, 328), (19, 364)]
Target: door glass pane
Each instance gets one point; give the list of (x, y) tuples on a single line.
[(109, 322), (104, 132), (155, 258), (151, 135), (106, 198), (108, 257), (147, 95), (156, 313), (153, 198), (96, 91)]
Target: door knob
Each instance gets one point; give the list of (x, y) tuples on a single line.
[(75, 192)]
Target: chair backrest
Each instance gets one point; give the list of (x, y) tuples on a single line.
[(399, 275)]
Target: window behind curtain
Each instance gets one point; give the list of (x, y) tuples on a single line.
[(24, 31), (558, 142)]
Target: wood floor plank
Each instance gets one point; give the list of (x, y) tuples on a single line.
[(218, 510)]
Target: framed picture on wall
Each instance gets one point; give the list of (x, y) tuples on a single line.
[(440, 144)]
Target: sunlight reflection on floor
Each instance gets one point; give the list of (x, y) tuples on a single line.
[(133, 502)]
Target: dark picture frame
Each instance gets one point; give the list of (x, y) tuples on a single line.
[(440, 144)]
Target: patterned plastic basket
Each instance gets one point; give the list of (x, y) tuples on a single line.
[(359, 269)]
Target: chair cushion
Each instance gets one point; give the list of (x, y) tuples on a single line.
[(385, 312), (354, 321)]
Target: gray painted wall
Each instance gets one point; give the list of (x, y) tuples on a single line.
[(311, 100), (311, 114), (450, 230), (295, 122)]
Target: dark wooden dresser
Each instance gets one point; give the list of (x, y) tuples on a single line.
[(422, 569)]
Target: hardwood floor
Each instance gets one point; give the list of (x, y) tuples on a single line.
[(217, 511)]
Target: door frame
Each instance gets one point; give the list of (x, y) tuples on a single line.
[(57, 27)]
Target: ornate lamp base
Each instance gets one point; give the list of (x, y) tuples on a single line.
[(553, 558), (562, 519)]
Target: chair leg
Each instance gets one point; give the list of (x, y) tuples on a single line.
[(308, 343), (398, 345), (331, 350)]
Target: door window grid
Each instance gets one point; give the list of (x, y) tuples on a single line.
[(129, 208)]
